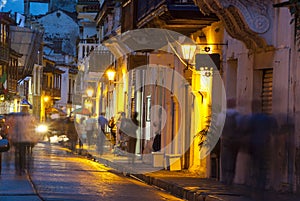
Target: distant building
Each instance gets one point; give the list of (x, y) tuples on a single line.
[(60, 38)]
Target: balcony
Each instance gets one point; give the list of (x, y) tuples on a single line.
[(85, 47), (105, 9), (4, 53), (52, 92), (182, 16), (12, 85)]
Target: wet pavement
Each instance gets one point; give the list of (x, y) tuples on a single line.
[(55, 174), (182, 184), (187, 185)]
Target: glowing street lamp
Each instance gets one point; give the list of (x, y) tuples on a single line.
[(89, 102), (90, 92), (111, 74), (188, 51), (46, 98)]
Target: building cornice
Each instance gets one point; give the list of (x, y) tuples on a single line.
[(245, 20)]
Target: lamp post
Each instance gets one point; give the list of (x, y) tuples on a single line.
[(89, 102), (188, 51), (110, 73), (90, 92)]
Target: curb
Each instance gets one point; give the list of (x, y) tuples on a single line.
[(172, 188)]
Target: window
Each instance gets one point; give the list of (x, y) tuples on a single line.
[(267, 91)]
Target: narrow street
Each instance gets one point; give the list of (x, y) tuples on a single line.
[(58, 175)]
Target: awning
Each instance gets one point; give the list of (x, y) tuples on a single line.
[(54, 110), (82, 111), (27, 42)]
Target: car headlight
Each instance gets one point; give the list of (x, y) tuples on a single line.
[(42, 128)]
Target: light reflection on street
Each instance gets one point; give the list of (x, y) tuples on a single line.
[(59, 175)]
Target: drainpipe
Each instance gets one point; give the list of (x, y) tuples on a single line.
[(291, 135)]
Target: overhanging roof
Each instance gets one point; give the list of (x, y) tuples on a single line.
[(26, 42)]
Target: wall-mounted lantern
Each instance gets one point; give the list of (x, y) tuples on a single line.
[(188, 51), (110, 72), (89, 92)]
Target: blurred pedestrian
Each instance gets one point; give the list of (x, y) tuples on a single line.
[(229, 145), (81, 131), (263, 126), (21, 133), (101, 137), (71, 133), (132, 137), (90, 125), (121, 135), (113, 128), (156, 146)]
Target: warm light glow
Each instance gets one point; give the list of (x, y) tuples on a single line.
[(88, 104), (188, 51), (46, 98), (111, 74), (2, 97), (41, 128), (90, 92)]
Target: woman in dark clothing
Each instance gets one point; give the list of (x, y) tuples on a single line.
[(71, 133)]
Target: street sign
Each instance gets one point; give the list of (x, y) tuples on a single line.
[(207, 60)]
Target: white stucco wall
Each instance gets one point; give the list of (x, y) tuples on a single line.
[(64, 87), (89, 31), (59, 25)]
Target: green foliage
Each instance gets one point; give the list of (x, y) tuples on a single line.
[(203, 134), (210, 134)]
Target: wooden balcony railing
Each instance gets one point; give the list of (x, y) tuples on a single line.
[(52, 92), (4, 53)]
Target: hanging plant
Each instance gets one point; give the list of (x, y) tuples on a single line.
[(203, 134), (210, 134)]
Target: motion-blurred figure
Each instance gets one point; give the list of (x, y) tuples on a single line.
[(101, 137), (71, 133), (90, 126), (21, 133), (132, 137), (113, 129)]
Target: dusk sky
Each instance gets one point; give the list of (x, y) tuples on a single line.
[(18, 6)]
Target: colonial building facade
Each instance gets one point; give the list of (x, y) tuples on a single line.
[(260, 66), (252, 45)]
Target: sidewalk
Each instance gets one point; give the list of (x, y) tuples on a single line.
[(14, 187), (186, 185), (182, 184)]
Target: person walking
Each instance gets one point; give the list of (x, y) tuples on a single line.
[(121, 138), (71, 133), (113, 129), (132, 137), (101, 137), (22, 134), (90, 125)]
